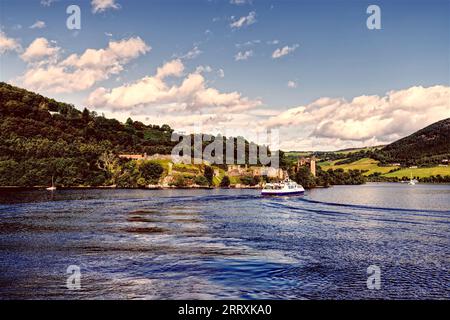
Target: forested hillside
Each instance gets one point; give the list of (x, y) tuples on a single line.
[(426, 146), (41, 138)]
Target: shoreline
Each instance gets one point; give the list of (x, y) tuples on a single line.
[(120, 188), (7, 188)]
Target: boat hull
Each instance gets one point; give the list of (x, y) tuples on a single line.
[(282, 193)]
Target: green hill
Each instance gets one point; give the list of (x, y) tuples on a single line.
[(41, 138), (421, 155), (369, 166), (427, 146), (372, 168)]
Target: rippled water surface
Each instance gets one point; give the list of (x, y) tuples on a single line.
[(216, 244)]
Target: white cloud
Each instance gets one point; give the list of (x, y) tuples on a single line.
[(47, 72), (40, 49), (244, 55), (192, 94), (273, 42), (248, 43), (115, 55), (244, 21), (221, 73), (192, 54), (38, 25), (241, 2), (47, 3), (367, 119), (280, 52), (173, 68), (8, 44), (292, 84), (203, 69), (103, 5)]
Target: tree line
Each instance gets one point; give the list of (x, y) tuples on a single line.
[(41, 138)]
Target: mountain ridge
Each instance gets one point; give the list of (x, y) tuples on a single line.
[(429, 144)]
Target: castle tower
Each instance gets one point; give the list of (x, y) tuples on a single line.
[(312, 166)]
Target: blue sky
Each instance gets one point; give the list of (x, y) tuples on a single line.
[(332, 55)]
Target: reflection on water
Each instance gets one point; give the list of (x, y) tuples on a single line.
[(200, 244)]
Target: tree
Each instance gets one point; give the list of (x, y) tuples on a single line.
[(209, 174), (166, 128), (129, 122), (109, 163), (250, 180), (246, 180), (151, 171), (201, 181), (225, 183), (179, 182), (85, 115), (305, 178)]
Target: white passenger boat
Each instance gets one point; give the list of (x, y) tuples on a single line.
[(285, 188)]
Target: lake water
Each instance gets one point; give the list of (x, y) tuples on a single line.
[(217, 244)]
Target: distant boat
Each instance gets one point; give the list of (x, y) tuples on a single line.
[(285, 188), (412, 182), (52, 188)]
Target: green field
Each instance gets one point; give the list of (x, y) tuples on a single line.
[(364, 164), (372, 166), (296, 154), (420, 172)]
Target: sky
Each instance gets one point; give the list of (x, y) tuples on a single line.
[(312, 70)]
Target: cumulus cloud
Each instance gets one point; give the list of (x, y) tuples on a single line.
[(173, 68), (324, 124), (38, 25), (46, 71), (244, 55), (369, 119), (244, 21), (103, 5), (8, 44), (40, 49), (280, 52), (191, 94)]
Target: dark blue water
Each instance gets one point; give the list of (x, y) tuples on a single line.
[(200, 244)]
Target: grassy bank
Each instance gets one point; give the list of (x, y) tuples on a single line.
[(372, 166), (366, 164)]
